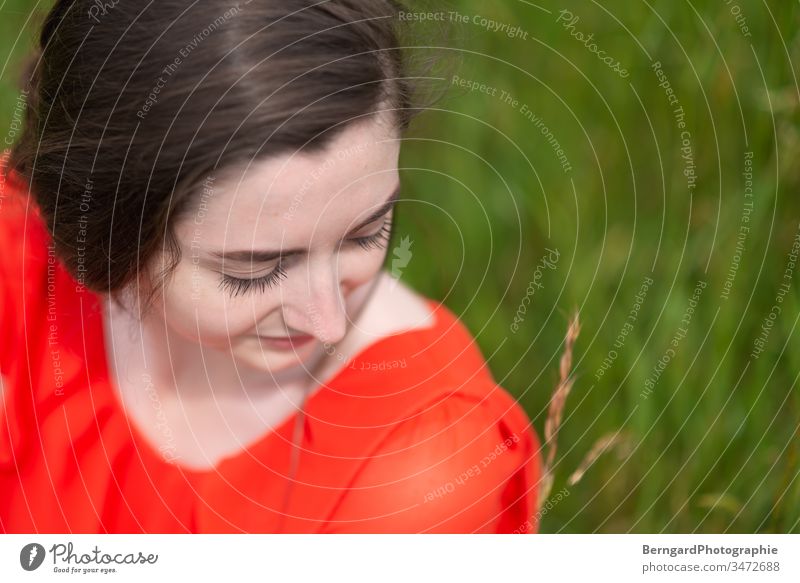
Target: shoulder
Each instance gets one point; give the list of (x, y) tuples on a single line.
[(468, 464), (22, 260), (23, 235)]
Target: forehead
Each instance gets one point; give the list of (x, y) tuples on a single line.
[(353, 175)]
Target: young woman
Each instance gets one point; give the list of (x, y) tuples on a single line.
[(196, 333)]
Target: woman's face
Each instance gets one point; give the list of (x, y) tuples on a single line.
[(286, 247)]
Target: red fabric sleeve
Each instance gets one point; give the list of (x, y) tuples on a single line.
[(463, 466), (6, 324), (11, 220), (7, 250), (23, 259)]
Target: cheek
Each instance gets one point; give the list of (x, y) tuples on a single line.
[(196, 308), (360, 266)]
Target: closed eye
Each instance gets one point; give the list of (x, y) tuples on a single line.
[(377, 240), (236, 286)]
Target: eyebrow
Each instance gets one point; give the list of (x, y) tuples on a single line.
[(263, 255)]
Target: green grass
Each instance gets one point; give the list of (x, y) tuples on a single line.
[(715, 446)]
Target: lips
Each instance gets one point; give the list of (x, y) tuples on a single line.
[(286, 342)]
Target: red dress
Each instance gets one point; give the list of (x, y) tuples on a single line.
[(431, 444)]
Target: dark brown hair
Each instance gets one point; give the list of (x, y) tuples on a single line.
[(134, 103)]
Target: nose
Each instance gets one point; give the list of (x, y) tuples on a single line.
[(323, 304)]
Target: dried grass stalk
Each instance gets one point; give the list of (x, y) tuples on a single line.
[(556, 410), (608, 441)]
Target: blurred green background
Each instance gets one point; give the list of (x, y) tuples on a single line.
[(709, 440)]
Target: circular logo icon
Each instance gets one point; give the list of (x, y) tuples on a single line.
[(31, 556)]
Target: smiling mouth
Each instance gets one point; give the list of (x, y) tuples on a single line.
[(286, 342)]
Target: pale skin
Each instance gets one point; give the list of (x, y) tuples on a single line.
[(195, 374)]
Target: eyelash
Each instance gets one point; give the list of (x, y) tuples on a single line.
[(377, 240), (236, 286)]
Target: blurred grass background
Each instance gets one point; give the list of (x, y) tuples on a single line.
[(714, 447)]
